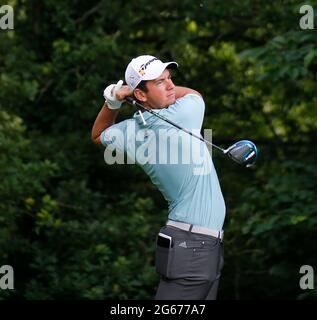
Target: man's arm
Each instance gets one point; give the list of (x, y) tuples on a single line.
[(182, 91), (104, 120), (108, 115)]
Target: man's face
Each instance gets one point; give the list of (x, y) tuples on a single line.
[(161, 91)]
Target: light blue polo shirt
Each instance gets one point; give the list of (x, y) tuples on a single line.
[(178, 164)]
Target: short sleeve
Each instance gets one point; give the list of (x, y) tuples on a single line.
[(114, 135)]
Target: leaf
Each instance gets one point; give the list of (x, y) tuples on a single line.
[(309, 58)]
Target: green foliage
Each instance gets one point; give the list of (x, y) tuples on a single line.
[(280, 219), (286, 57), (96, 258), (73, 227)]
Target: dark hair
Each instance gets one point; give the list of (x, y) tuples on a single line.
[(142, 86)]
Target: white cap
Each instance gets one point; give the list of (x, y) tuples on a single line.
[(145, 68)]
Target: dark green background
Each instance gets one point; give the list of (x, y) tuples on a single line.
[(75, 228)]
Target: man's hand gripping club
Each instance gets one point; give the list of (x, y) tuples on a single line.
[(114, 94)]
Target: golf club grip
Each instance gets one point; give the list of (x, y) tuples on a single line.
[(129, 100)]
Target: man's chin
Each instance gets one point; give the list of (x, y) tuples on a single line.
[(169, 102), (173, 100)]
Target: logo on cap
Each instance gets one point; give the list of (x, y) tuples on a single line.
[(145, 65)]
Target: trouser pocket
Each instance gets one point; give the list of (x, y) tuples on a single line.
[(163, 260), (186, 256), (173, 263)]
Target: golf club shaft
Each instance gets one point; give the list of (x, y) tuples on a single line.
[(135, 103)]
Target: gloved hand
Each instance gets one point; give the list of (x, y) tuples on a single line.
[(110, 95)]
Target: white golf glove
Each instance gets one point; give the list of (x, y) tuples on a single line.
[(110, 95)]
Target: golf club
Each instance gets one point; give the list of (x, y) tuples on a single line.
[(243, 152)]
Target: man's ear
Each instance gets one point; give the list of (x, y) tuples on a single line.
[(140, 95)]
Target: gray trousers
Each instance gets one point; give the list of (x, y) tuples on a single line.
[(190, 270)]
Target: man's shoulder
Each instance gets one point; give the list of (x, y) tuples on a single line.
[(187, 111), (190, 96), (188, 101)]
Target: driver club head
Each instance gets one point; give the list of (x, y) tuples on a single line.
[(243, 152)]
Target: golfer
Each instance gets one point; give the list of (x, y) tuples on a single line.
[(189, 248)]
